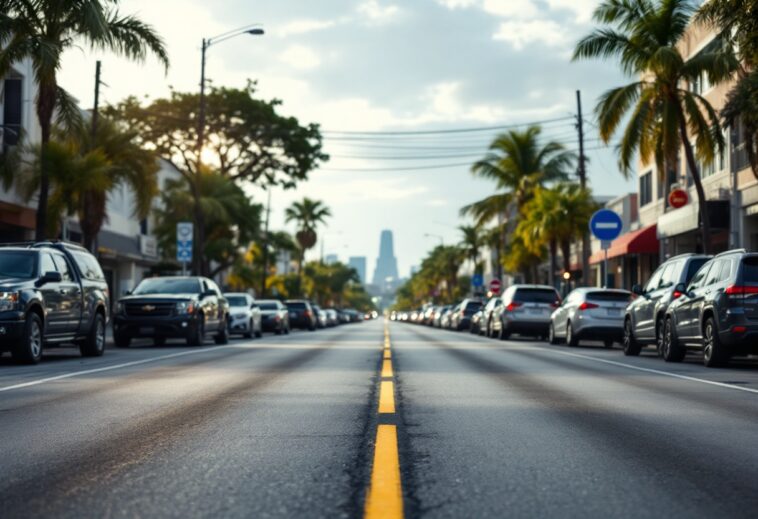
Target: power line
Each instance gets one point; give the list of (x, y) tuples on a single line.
[(448, 131), (410, 168)]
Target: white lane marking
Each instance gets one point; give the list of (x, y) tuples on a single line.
[(646, 370)]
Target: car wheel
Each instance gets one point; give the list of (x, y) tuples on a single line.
[(30, 349), (197, 336), (159, 341), (94, 344), (287, 330), (259, 333), (121, 341), (249, 333), (608, 344), (503, 335), (222, 337), (671, 350), (659, 324), (571, 338), (551, 338), (714, 353), (630, 345)]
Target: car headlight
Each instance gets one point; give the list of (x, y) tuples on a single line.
[(185, 307), (8, 301)]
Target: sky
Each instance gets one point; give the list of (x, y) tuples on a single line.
[(383, 66)]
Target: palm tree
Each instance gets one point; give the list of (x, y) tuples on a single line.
[(737, 24), (518, 163), (307, 214), (83, 172), (663, 115), (472, 243), (43, 30)]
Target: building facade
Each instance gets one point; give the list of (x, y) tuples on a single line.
[(358, 263)]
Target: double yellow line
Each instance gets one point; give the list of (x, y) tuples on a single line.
[(385, 494)]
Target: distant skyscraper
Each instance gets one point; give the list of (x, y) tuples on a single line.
[(359, 264), (386, 263), (331, 259)]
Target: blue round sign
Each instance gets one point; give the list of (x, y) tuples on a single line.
[(606, 225)]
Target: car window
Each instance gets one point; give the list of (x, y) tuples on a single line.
[(652, 284), (692, 268), (237, 300), (535, 295), (726, 271), (168, 286), (750, 271), (46, 264), (614, 297), (61, 265), (713, 274), (667, 276), (215, 287), (88, 266), (699, 278)]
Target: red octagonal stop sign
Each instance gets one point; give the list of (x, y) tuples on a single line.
[(495, 286)]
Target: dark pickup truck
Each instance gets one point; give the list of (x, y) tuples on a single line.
[(51, 293), (163, 308)]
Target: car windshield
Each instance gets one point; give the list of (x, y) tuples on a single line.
[(472, 307), (267, 306), (168, 286), (611, 297), (18, 264), (535, 295), (237, 300), (296, 305)]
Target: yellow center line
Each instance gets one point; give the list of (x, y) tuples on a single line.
[(387, 354), (386, 368), (386, 397), (385, 496)]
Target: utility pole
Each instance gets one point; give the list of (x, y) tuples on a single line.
[(583, 183), (265, 246), (97, 101)]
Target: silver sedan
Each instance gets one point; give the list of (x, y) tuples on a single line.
[(595, 314)]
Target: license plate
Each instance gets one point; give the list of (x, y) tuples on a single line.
[(537, 311), (615, 312), (147, 330)]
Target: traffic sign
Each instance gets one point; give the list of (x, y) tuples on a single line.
[(184, 232), (606, 225), (495, 286), (477, 280), (678, 198)]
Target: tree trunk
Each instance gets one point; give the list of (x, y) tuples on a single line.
[(566, 253), (198, 265), (45, 109), (553, 263), (705, 221)]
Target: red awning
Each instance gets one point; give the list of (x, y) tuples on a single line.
[(643, 241)]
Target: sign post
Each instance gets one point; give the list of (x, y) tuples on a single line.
[(606, 225), (184, 233)]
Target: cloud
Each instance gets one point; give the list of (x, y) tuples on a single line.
[(511, 8), (300, 57), (456, 4), (378, 13), (582, 9), (523, 33), (296, 27)]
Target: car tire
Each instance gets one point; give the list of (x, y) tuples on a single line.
[(287, 330), (121, 341), (222, 337), (30, 349), (94, 344), (630, 345), (671, 349), (659, 324), (503, 335), (159, 341), (551, 338), (714, 353), (197, 335), (571, 338), (250, 333), (259, 333)]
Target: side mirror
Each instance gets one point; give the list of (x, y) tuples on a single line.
[(637, 290), (52, 276)]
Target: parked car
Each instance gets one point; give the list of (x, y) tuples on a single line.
[(461, 316), (244, 315), (438, 313), (301, 314), (320, 316), (644, 317), (490, 312), (332, 317), (274, 316), (526, 310), (594, 314), (717, 312), (51, 293), (476, 322), (446, 320), (162, 308)]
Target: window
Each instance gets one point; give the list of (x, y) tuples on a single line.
[(670, 275), (663, 184), (17, 264), (699, 278), (46, 264), (701, 84), (168, 286), (726, 271), (646, 188), (88, 266), (693, 267), (536, 295), (12, 106), (652, 283), (713, 274), (62, 266)]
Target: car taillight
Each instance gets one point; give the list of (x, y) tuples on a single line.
[(307, 313), (740, 291), (512, 306), (555, 304), (587, 306), (739, 329)]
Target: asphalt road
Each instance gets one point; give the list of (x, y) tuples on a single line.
[(286, 427)]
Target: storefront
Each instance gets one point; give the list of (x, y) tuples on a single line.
[(632, 257), (679, 230)]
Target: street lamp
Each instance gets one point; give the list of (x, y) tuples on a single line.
[(207, 42)]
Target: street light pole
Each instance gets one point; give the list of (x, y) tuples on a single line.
[(264, 275)]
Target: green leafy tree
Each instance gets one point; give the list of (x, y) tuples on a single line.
[(247, 140), (307, 215), (232, 221), (472, 244), (43, 30), (659, 113), (737, 24)]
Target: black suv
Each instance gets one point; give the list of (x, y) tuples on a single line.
[(717, 312), (51, 293), (644, 317), (301, 314), (172, 307)]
